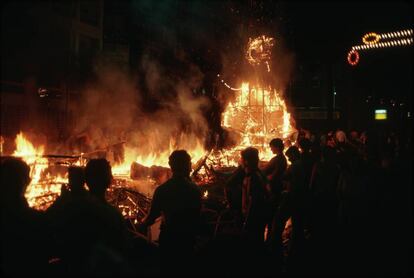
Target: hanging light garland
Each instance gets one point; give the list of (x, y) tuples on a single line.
[(373, 40)]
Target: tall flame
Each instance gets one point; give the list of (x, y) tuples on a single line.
[(257, 114), (33, 157)]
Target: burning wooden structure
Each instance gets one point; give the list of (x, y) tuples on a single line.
[(256, 114)]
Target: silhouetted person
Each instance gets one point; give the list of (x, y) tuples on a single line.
[(275, 171), (254, 197), (291, 206), (233, 194), (74, 190), (252, 210), (308, 160), (22, 229), (324, 211), (92, 233), (178, 202)]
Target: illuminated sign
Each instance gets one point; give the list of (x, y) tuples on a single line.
[(380, 114)]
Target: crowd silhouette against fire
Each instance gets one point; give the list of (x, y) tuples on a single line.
[(345, 197)]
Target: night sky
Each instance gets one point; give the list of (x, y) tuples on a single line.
[(328, 30), (315, 32), (213, 36)]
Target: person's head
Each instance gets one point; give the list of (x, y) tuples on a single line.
[(180, 163), (363, 137), (293, 153), (340, 137), (76, 178), (354, 136), (250, 159), (276, 145), (98, 175), (14, 177), (305, 145)]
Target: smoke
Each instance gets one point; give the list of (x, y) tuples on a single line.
[(152, 114), (282, 66)]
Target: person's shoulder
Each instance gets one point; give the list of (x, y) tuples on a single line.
[(281, 157), (259, 175), (162, 187), (194, 186)]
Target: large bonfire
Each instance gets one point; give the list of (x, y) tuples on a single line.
[(256, 114)]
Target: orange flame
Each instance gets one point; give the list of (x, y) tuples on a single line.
[(160, 158), (258, 115), (33, 157)]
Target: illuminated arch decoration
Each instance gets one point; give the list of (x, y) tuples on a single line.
[(374, 40), (353, 57), (371, 38)]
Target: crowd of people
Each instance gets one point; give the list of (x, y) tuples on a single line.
[(347, 197)]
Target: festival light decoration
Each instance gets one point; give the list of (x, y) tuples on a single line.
[(373, 40), (353, 57)]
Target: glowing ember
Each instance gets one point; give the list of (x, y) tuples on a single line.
[(47, 187), (259, 50)]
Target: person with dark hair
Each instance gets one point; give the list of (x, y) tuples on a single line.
[(253, 212), (92, 234), (274, 171), (178, 202), (74, 190), (22, 228), (98, 177), (254, 196), (307, 158), (291, 206)]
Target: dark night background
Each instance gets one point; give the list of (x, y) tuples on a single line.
[(41, 49)]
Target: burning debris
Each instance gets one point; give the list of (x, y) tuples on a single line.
[(259, 51), (256, 114)]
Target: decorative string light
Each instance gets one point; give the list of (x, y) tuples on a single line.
[(373, 40), (392, 43), (353, 57)]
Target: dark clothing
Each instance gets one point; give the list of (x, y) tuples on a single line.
[(275, 171), (308, 162), (90, 235), (66, 196), (297, 187), (233, 189), (292, 205), (178, 201), (24, 249), (254, 206)]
